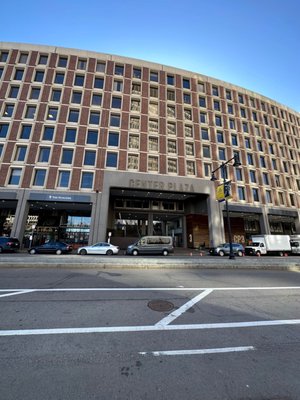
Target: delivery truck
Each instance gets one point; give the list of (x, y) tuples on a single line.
[(278, 245), (295, 244)]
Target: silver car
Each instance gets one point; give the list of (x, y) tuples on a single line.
[(99, 248)]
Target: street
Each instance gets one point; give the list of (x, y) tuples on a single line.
[(149, 334)]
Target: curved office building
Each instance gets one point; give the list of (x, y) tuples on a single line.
[(95, 145)]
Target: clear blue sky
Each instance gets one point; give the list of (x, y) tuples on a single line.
[(251, 43)]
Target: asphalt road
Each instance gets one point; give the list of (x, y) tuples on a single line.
[(149, 334)]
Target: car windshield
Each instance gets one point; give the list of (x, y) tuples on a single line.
[(255, 244)]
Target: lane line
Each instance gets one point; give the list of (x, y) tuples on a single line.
[(16, 293), (148, 328), (175, 314), (155, 289), (197, 351)]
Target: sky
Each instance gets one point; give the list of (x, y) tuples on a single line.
[(254, 44)]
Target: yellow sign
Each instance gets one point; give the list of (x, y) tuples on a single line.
[(223, 191)]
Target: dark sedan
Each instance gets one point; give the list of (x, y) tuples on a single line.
[(51, 247)]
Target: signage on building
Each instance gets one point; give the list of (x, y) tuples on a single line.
[(60, 197), (150, 184)]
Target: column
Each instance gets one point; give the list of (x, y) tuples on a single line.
[(264, 222), (215, 222)]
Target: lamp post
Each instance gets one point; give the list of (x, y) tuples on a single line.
[(223, 168)]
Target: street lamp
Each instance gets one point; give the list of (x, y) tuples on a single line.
[(223, 168)]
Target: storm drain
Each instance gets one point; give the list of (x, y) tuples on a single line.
[(160, 305)]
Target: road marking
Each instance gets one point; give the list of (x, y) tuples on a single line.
[(175, 314), (153, 289), (197, 351), (16, 293), (147, 328)]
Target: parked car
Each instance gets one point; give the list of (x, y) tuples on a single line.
[(9, 244), (152, 245), (51, 247), (224, 250), (99, 248)]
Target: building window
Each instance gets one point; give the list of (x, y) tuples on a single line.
[(186, 83), (250, 159), (203, 118), (98, 83), (281, 198), (3, 130), (30, 112), (100, 66), (8, 110), (89, 157), (153, 125), (243, 113), (63, 179), (241, 193), (79, 80), (171, 113), (52, 113), (217, 105), (39, 76), (252, 176), (44, 154), (1, 149), (172, 146), (170, 80), (87, 180), (135, 105), (277, 181), (170, 95), (56, 95), (43, 59), (153, 76), (39, 177), (133, 142), (35, 93), (265, 178), (15, 176), (67, 156), (134, 123), (137, 73), (171, 128), (19, 74), (70, 136), (94, 118), (81, 64), (172, 166), (186, 98), (189, 149), (115, 120), (59, 78), (73, 116), (207, 170), (238, 174), (116, 102), (153, 143), (48, 133), (92, 137), (220, 137), (247, 143), (215, 91), (218, 120), (133, 161), (62, 62), (206, 151), (20, 153), (111, 160), (245, 127), (230, 108), (188, 131), (14, 91), (202, 102), (228, 95), (153, 91), (259, 146), (119, 70), (190, 167), (188, 114), (241, 98), (118, 86), (262, 162), (268, 196), (153, 163), (255, 194), (136, 88), (3, 56), (76, 97), (113, 139), (201, 87), (234, 140), (222, 154), (1, 72), (292, 200), (204, 134)]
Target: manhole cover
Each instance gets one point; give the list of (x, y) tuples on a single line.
[(160, 305)]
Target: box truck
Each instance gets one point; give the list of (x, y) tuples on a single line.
[(295, 244), (269, 245)]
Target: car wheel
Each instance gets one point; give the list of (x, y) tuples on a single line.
[(109, 253), (240, 253), (135, 253), (32, 251), (58, 252), (165, 252), (221, 253), (83, 252), (258, 253)]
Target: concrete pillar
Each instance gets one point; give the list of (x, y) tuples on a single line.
[(184, 235), (215, 222), (150, 224), (98, 220), (297, 223), (264, 222), (21, 215)]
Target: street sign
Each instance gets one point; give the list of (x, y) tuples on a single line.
[(223, 191)]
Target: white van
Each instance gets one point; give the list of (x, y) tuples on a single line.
[(152, 245)]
